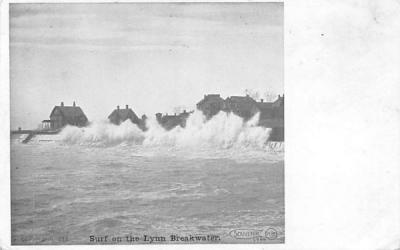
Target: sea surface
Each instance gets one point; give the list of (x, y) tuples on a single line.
[(83, 185)]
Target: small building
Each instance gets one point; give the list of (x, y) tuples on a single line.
[(270, 110), (266, 109), (210, 105), (62, 115), (272, 116), (243, 106), (171, 121), (118, 116), (279, 106)]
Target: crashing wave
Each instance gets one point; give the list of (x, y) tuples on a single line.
[(224, 130)]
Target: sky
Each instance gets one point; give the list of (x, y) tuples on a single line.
[(152, 56)]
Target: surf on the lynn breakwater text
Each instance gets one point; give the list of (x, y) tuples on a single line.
[(153, 239)]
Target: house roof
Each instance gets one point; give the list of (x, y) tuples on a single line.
[(280, 101), (124, 114), (211, 98), (69, 112), (241, 99)]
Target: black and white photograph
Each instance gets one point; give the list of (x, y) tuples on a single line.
[(147, 123), (215, 124)]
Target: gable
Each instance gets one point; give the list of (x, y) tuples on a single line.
[(212, 98), (113, 114), (123, 114), (56, 112)]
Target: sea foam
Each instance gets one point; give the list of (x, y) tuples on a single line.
[(224, 130)]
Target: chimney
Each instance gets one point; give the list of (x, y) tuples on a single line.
[(118, 107), (126, 106), (262, 100), (184, 111), (73, 104), (158, 117), (62, 104)]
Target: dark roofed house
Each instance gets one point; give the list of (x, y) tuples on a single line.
[(279, 106), (243, 106), (269, 110), (118, 116), (266, 109), (280, 101), (66, 115), (171, 121), (210, 105), (272, 116)]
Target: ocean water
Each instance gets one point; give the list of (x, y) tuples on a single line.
[(217, 179)]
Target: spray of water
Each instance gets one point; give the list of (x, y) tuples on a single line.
[(225, 130), (102, 133), (224, 136)]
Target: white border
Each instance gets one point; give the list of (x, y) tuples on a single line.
[(342, 120), (5, 211)]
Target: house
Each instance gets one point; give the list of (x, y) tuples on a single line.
[(62, 115), (266, 109), (210, 105), (271, 113), (272, 116), (118, 116), (279, 106), (171, 121), (243, 106), (269, 110)]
